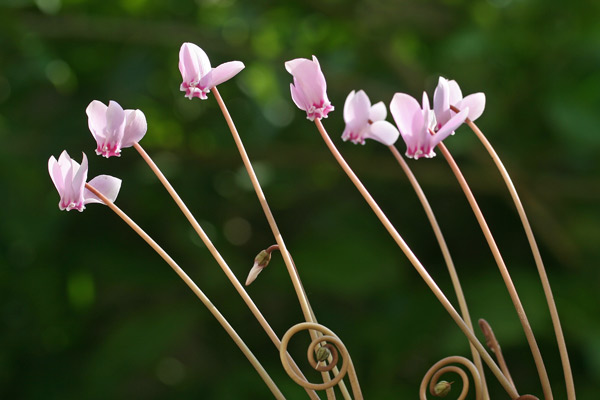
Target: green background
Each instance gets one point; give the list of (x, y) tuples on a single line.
[(89, 312)]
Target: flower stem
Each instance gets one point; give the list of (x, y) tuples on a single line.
[(215, 253), (447, 258), (510, 389), (302, 298), (562, 347), (190, 283), (537, 356), (493, 344)]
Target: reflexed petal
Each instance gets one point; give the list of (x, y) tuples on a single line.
[(361, 105), (108, 185), (384, 132), (441, 101), (80, 176), (454, 93), (349, 107), (310, 80), (406, 112), (96, 112), (378, 112), (55, 174), (450, 127), (475, 103), (193, 62), (115, 117), (224, 72), (135, 127), (298, 96)]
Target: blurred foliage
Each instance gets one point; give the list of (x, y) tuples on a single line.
[(89, 312)]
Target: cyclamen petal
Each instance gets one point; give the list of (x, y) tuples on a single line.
[(448, 93), (364, 121), (69, 178), (198, 76), (309, 90), (114, 128), (417, 125)]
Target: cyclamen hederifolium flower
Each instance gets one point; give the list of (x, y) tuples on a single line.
[(309, 90), (198, 76), (69, 179), (418, 125), (448, 93), (364, 121), (114, 128)]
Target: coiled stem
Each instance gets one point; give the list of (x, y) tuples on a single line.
[(337, 349), (444, 366)]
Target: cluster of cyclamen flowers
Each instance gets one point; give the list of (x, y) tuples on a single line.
[(421, 128)]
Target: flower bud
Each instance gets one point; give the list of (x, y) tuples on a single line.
[(323, 353), (442, 388), (260, 263)]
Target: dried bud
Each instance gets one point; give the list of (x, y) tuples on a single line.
[(442, 388), (323, 354), (260, 262)]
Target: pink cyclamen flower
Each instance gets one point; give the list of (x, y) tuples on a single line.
[(364, 121), (417, 125), (309, 90), (114, 128), (198, 76), (448, 93), (69, 179)]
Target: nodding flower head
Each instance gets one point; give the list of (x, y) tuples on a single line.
[(114, 128), (418, 125), (69, 179), (309, 90), (447, 94), (364, 121), (198, 76)]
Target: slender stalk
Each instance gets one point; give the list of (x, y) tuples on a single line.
[(302, 298), (562, 347), (537, 356), (510, 389), (216, 255), (190, 283), (263, 202), (447, 258)]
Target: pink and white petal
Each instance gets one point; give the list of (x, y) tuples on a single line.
[(450, 126), (96, 112), (298, 96), (224, 72), (349, 107), (475, 103), (108, 185), (56, 174), (378, 112), (115, 118), (135, 127), (193, 62), (384, 132), (311, 81), (290, 66), (361, 105), (455, 94), (441, 101), (405, 110), (79, 177)]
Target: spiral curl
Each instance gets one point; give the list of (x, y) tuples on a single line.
[(335, 346), (442, 367)]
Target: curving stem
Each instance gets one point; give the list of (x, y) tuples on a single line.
[(443, 366)]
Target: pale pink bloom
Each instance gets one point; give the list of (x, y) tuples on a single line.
[(309, 90), (198, 76), (364, 121), (114, 128), (260, 262), (69, 179), (448, 93), (417, 125)]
